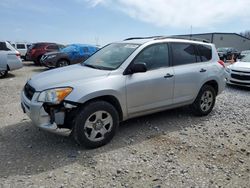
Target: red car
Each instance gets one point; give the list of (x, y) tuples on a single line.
[(36, 51)]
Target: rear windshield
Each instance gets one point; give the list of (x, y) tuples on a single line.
[(5, 46)]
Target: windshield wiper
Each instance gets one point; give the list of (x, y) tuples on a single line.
[(92, 66), (97, 67)]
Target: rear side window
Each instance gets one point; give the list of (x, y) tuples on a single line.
[(205, 52), (52, 47), (155, 56), (20, 46), (184, 53)]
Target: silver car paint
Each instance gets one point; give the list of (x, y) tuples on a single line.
[(8, 59), (138, 94)]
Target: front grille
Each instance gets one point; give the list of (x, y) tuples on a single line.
[(240, 77), (28, 91), (247, 72), (240, 83)]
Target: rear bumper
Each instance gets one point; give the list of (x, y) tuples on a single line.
[(39, 116)]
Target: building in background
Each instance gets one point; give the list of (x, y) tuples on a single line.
[(224, 40)]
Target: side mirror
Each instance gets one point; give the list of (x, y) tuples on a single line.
[(135, 68)]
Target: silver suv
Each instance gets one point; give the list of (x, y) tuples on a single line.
[(123, 80)]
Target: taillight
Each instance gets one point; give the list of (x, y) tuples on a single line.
[(221, 63), (18, 54)]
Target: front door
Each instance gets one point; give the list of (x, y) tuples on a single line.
[(152, 89)]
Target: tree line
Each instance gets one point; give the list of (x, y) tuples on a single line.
[(245, 33)]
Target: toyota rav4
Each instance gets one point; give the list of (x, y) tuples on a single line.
[(127, 79)]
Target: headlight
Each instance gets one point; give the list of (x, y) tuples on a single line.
[(51, 56), (54, 96)]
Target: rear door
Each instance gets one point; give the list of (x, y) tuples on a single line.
[(189, 70), (152, 89)]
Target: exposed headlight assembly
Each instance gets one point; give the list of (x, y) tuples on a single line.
[(51, 56), (54, 96), (228, 70)]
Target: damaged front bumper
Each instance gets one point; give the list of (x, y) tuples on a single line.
[(46, 118)]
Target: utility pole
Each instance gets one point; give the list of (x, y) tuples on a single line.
[(191, 31)]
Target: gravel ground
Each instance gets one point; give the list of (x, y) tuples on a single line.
[(167, 149)]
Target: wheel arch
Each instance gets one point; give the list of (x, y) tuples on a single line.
[(214, 84), (110, 99), (63, 58)]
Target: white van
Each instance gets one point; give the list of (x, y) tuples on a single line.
[(9, 58), (22, 47)]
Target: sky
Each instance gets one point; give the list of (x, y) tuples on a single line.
[(104, 21)]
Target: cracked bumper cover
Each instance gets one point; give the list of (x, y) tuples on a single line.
[(41, 118)]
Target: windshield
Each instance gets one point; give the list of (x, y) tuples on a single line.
[(69, 48), (245, 52), (246, 58), (111, 56)]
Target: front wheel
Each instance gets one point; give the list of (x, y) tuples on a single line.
[(204, 102), (3, 73), (95, 124), (62, 63)]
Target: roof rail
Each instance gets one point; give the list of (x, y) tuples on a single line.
[(151, 37), (183, 37)]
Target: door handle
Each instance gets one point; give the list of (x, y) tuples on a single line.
[(168, 75), (203, 70)]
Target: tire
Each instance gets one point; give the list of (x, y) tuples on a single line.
[(3, 73), (204, 101), (95, 124), (62, 63), (37, 61)]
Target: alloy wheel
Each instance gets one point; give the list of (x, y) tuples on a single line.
[(97, 125)]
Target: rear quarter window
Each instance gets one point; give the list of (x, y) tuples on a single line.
[(184, 53), (205, 52), (3, 46)]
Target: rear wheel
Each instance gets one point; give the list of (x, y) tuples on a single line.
[(205, 101), (62, 63), (96, 124), (3, 73)]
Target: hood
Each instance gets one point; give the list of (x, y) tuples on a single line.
[(241, 66), (64, 76)]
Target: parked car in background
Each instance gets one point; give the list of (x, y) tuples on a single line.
[(244, 53), (71, 54), (9, 58), (22, 47), (124, 80), (239, 72), (37, 50), (227, 53)]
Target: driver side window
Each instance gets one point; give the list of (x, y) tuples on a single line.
[(155, 56)]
